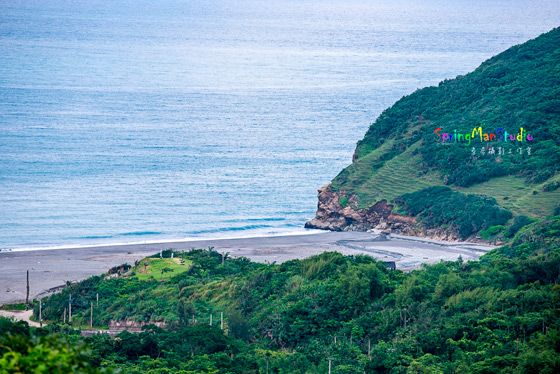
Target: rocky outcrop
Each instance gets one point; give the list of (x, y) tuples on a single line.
[(131, 325), (413, 228), (332, 215)]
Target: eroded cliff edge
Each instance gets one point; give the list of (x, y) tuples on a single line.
[(332, 215)]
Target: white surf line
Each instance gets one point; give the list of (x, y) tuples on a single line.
[(163, 241)]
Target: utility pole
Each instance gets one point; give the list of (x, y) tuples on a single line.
[(222, 320), (210, 319), (405, 316), (330, 359), (64, 316), (91, 316), (40, 314), (70, 309), (267, 355), (369, 349), (97, 297), (27, 297)]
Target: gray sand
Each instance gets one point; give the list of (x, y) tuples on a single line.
[(51, 269)]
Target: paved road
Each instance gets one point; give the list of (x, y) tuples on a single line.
[(20, 315)]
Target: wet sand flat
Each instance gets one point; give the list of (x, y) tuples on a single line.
[(50, 269)]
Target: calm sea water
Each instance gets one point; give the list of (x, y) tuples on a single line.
[(125, 121)]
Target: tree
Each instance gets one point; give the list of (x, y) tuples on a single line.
[(47, 354)]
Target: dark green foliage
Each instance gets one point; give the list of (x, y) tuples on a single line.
[(25, 351), (8, 327), (239, 326), (200, 348), (82, 293), (499, 315), (518, 223), (517, 88), (536, 239), (129, 297), (553, 186), (466, 214), (543, 357)]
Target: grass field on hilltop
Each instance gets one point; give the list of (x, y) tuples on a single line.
[(160, 268)]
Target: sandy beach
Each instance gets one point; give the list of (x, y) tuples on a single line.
[(50, 269)]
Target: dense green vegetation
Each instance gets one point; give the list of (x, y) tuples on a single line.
[(520, 87), (440, 206), (540, 240), (25, 350), (498, 315)]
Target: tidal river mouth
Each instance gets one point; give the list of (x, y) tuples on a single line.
[(49, 269)]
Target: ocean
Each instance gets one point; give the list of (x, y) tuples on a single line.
[(131, 121)]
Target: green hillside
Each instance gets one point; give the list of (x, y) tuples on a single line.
[(519, 88), (497, 315)]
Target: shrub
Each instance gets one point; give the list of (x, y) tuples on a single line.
[(464, 214), (517, 224)]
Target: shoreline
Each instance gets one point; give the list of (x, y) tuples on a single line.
[(50, 269), (157, 241)]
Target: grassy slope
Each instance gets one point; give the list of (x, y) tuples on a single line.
[(516, 88), (156, 265), (520, 198), (397, 176)]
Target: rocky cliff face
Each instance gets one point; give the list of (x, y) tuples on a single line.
[(332, 215)]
